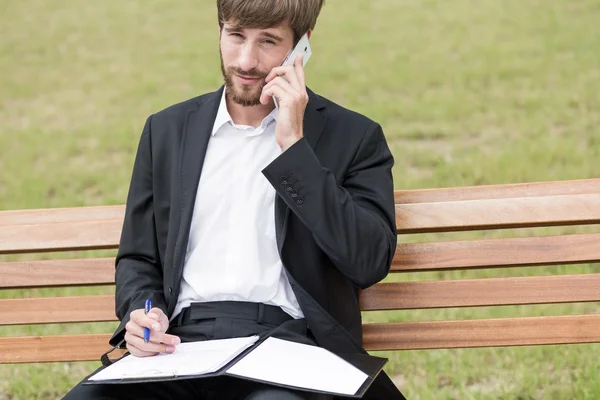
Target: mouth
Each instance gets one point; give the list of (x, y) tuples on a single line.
[(248, 80)]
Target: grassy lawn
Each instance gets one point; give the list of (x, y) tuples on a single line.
[(468, 93)]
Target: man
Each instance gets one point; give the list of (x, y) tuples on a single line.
[(245, 219)]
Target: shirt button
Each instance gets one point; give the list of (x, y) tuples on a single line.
[(170, 289)]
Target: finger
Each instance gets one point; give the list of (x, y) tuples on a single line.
[(145, 321), (288, 73), (159, 315), (280, 83), (299, 68), (149, 347), (155, 337), (137, 352), (277, 71), (276, 91)]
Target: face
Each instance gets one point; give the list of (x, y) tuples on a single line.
[(247, 57)]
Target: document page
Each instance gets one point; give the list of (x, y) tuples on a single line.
[(299, 365), (192, 358)]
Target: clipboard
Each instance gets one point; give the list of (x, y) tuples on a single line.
[(371, 366)]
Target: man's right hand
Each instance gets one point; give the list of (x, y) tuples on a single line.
[(159, 342)]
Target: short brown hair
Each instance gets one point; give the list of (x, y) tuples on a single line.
[(301, 15)]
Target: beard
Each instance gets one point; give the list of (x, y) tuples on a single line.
[(244, 95)]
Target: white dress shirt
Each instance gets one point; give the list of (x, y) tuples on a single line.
[(232, 251)]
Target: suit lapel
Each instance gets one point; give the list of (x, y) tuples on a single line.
[(314, 121), (193, 151)]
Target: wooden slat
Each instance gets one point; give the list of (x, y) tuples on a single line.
[(394, 336), (535, 189), (52, 273), (529, 251), (482, 333), (48, 310), (62, 236), (34, 349), (451, 216), (482, 292), (61, 215)]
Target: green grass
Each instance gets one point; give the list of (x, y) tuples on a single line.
[(468, 93)]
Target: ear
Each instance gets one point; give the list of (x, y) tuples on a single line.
[(309, 34)]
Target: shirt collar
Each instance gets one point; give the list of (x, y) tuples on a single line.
[(223, 117)]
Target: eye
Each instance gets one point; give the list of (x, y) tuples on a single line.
[(269, 42)]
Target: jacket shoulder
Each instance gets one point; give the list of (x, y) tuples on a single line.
[(345, 116), (181, 109)]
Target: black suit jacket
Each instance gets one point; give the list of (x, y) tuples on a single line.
[(334, 216)]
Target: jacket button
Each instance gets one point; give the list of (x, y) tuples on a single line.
[(300, 200), (288, 188), (283, 181)]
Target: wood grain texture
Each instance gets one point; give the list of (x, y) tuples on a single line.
[(577, 209), (482, 292), (482, 333), (35, 349), (60, 236), (534, 189), (48, 310), (394, 336), (51, 273), (512, 252), (61, 215)]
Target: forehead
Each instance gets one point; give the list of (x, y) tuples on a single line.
[(281, 29)]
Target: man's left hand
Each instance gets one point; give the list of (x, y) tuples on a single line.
[(287, 84)]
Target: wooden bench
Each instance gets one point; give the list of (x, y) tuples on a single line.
[(485, 208)]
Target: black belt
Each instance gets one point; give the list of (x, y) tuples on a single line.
[(259, 312)]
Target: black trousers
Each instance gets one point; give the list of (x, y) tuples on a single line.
[(206, 321)]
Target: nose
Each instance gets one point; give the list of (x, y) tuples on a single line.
[(248, 57)]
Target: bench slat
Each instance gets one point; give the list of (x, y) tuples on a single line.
[(534, 189), (523, 331), (49, 310), (577, 209), (529, 251), (61, 236), (482, 292), (54, 348), (61, 215), (392, 336), (383, 296), (409, 257), (51, 273)]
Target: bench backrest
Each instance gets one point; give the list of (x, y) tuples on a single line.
[(417, 211)]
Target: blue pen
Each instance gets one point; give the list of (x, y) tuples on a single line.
[(147, 330)]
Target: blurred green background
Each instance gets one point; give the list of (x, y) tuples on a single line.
[(468, 93)]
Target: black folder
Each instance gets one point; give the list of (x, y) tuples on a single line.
[(370, 365)]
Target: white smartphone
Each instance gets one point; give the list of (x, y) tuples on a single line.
[(302, 47)]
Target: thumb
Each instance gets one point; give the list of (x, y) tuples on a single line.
[(161, 317)]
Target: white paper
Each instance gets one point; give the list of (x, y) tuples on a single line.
[(299, 365), (192, 358)]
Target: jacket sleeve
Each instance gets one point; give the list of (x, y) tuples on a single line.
[(138, 274), (353, 221)]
